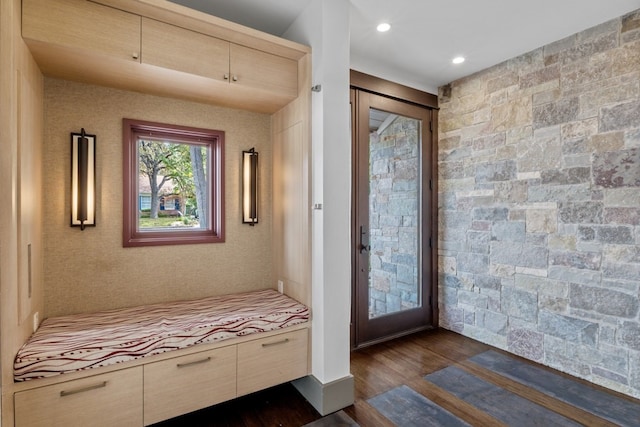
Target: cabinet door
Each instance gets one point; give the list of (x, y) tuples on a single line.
[(184, 384), (113, 399), (270, 361), (263, 71), (179, 49), (81, 24)]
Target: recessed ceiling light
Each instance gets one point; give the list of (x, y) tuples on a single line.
[(458, 60), (383, 27)]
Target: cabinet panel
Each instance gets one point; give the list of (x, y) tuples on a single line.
[(184, 384), (83, 25), (179, 49), (263, 71), (102, 400), (270, 361)]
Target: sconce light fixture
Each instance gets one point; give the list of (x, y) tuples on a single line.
[(250, 187), (83, 179)]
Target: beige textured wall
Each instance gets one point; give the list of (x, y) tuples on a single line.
[(90, 270)]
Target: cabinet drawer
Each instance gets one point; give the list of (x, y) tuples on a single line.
[(270, 361), (184, 384), (113, 399)]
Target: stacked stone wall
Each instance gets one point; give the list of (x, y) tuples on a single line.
[(394, 171), (539, 205)]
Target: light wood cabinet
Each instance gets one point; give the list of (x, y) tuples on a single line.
[(112, 399), (161, 52), (179, 49), (254, 69), (165, 387), (83, 25), (185, 384), (269, 361), (176, 48)]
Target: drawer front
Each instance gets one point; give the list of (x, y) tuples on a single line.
[(270, 361), (102, 400), (184, 384)]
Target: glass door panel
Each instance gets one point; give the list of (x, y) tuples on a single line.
[(394, 213)]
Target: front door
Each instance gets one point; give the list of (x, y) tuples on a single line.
[(392, 218)]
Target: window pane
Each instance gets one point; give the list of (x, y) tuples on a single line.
[(172, 180)]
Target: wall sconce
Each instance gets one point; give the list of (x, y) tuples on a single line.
[(250, 187), (83, 180)]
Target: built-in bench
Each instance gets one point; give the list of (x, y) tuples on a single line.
[(141, 365)]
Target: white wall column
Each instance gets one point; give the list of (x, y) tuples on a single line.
[(324, 26)]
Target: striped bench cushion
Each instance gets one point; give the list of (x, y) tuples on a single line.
[(84, 341)]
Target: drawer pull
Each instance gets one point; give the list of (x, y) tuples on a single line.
[(195, 362), (269, 344), (64, 393)]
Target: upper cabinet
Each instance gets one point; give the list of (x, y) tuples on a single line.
[(262, 71), (80, 24), (176, 48), (162, 49), (179, 49)]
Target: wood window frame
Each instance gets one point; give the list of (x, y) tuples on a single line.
[(214, 140)]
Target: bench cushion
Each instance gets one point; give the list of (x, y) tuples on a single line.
[(84, 341)]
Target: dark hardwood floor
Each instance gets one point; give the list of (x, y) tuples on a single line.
[(383, 367)]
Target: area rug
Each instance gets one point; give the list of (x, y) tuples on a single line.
[(337, 419), (501, 404), (617, 410), (407, 408)]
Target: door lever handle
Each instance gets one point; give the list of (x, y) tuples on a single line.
[(364, 245)]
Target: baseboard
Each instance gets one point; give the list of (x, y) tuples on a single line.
[(327, 398)]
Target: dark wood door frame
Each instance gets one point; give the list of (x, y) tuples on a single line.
[(361, 82)]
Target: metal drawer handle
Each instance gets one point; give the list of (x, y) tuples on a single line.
[(269, 344), (195, 362), (64, 393)]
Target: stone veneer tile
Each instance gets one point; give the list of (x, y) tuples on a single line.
[(590, 47), (519, 304), (518, 254), (634, 374), (622, 253), (631, 21), (555, 113), (581, 260), (581, 212), (526, 343), (632, 138), (511, 114), (618, 168), (604, 301), (553, 138), (630, 335), (620, 117), (568, 328)]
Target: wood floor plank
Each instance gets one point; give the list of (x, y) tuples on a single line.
[(451, 403), (367, 416), (442, 343)]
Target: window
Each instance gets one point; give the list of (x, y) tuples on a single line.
[(173, 184)]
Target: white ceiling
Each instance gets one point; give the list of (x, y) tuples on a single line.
[(426, 35)]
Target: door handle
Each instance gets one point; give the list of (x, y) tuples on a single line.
[(364, 245)]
